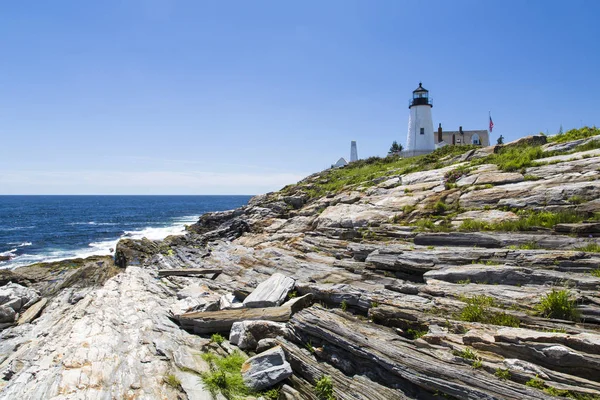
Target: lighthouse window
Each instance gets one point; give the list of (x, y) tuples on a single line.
[(422, 131)]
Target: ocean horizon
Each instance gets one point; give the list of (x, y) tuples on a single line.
[(45, 228)]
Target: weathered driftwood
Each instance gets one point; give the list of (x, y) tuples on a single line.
[(221, 321), (384, 353), (190, 272), (344, 387)]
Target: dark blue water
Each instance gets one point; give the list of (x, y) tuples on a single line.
[(45, 228)]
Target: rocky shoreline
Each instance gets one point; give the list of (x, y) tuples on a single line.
[(406, 285)]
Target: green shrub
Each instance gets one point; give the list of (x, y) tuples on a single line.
[(477, 364), (558, 304), (225, 375), (217, 338), (502, 374), (591, 145), (408, 209), (324, 388), (271, 394)]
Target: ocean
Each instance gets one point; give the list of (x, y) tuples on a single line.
[(51, 228)]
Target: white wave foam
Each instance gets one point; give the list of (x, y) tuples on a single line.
[(93, 223), (101, 248), (10, 253), (16, 228), (20, 244)]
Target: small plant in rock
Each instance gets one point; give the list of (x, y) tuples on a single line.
[(466, 353), (416, 333), (536, 382), (559, 304), (440, 207), (576, 199), (344, 305), (374, 304), (172, 381), (477, 364), (310, 347), (595, 272), (502, 374), (324, 388), (292, 294), (217, 338), (478, 310), (271, 394)]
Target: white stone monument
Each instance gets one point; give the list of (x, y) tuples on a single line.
[(353, 151)]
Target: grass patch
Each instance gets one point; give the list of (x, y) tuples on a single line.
[(529, 177), (590, 247), (478, 310), (576, 199), (528, 220), (225, 375), (595, 272), (324, 388), (574, 134), (591, 145), (514, 158), (217, 338), (558, 304)]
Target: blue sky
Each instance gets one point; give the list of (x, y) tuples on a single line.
[(243, 97)]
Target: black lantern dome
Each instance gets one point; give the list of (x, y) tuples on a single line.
[(420, 97)]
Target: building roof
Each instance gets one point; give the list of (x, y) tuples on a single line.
[(420, 88), (341, 162), (478, 131)]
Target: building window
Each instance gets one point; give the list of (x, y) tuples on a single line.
[(475, 139), (422, 131)]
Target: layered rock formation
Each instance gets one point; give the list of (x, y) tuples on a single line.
[(444, 281)]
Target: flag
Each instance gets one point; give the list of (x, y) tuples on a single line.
[(491, 124)]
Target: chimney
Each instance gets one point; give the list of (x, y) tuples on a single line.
[(440, 133), (460, 130)]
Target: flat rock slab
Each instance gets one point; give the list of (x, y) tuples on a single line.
[(270, 293), (266, 369), (498, 178), (593, 227), (32, 312), (222, 321)]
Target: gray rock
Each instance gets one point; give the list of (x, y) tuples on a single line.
[(246, 334), (32, 312), (266, 369), (7, 314), (270, 293), (229, 301), (265, 344)]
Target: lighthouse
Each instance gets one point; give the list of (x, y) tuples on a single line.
[(420, 139)]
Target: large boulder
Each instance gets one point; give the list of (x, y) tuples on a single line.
[(17, 297), (270, 293), (247, 334), (266, 369)]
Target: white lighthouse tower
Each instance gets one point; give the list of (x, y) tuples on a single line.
[(420, 138)]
